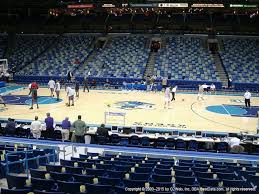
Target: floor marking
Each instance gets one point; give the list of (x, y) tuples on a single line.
[(226, 109)]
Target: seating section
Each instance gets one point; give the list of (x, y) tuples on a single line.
[(240, 57), (185, 58), (28, 47), (3, 45), (67, 54), (115, 173), (124, 56), (15, 159)]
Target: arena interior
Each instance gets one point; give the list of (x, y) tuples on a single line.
[(133, 96)]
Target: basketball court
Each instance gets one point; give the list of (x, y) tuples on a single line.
[(217, 113)]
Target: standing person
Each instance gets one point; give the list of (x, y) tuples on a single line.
[(2, 101), (173, 93), (51, 85), (70, 94), (34, 94), (200, 93), (66, 125), (50, 125), (77, 86), (69, 76), (164, 83), (10, 127), (36, 128), (212, 88), (85, 82), (167, 97), (152, 82), (57, 89), (79, 126), (205, 87), (247, 96)]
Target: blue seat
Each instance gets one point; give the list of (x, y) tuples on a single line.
[(83, 178), (180, 144), (208, 182), (98, 188), (38, 173), (193, 145), (54, 168), (133, 183), (181, 168), (162, 171), (105, 166), (184, 173), (200, 169), (109, 181), (222, 147), (139, 176), (145, 142), (229, 176), (155, 184), (143, 169), (85, 164), (115, 174), (207, 175), (161, 178), (164, 166), (69, 187), (61, 176), (43, 184), (160, 142), (134, 140), (74, 170), (47, 192), (234, 183), (115, 139), (185, 180), (125, 168), (95, 172), (67, 162), (15, 191), (17, 182)]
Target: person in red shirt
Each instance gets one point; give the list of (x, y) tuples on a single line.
[(34, 94)]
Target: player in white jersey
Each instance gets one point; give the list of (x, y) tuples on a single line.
[(167, 97), (51, 85), (57, 89), (71, 95), (200, 92)]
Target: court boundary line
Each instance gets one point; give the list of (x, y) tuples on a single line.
[(213, 120)]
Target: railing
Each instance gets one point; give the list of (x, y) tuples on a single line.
[(25, 161)]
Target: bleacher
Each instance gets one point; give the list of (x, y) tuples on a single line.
[(185, 58), (115, 173), (68, 53), (3, 45), (240, 58), (27, 48), (123, 56)]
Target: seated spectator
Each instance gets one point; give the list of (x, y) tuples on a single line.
[(102, 131), (49, 125), (234, 144), (66, 125), (10, 127), (36, 128), (107, 84)]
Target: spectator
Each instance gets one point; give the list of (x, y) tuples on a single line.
[(10, 127), (79, 126), (235, 146), (66, 125), (102, 131), (36, 128), (49, 125)]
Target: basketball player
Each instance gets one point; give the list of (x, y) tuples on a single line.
[(57, 89), (77, 89), (167, 97), (34, 94), (51, 85), (70, 94), (173, 93), (200, 93), (2, 101), (85, 82), (247, 97), (212, 88)]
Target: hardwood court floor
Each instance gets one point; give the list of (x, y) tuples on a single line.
[(183, 114)]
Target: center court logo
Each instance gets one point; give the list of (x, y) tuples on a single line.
[(130, 105)]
